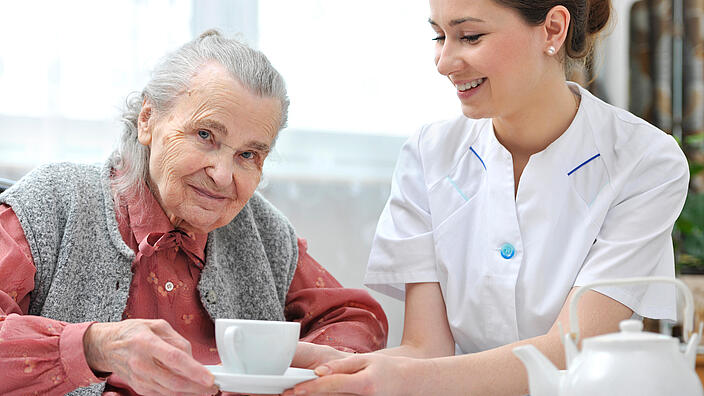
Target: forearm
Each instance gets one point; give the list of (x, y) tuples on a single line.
[(348, 336), (426, 333), (349, 320), (41, 355), (412, 351), (493, 372)]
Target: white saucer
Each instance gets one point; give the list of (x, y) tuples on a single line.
[(259, 384)]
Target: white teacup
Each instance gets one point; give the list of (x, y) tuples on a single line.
[(259, 347)]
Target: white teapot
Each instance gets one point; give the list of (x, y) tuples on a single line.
[(631, 362)]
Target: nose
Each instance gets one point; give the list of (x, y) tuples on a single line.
[(222, 170), (446, 59)]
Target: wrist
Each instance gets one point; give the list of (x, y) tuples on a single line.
[(72, 355), (425, 375), (92, 350)]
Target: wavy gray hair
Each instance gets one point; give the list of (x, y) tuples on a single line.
[(171, 77)]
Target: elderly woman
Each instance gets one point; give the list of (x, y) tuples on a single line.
[(110, 278)]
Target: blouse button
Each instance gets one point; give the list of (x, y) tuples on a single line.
[(507, 251), (169, 286), (210, 297)]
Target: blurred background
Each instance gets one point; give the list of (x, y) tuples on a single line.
[(361, 79)]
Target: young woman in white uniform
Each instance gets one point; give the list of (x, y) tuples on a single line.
[(497, 216)]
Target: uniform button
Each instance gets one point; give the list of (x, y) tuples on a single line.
[(170, 286), (507, 251)]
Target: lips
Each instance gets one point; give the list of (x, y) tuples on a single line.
[(209, 194)]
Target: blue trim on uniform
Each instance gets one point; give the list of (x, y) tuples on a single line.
[(457, 188), (480, 158), (582, 164)]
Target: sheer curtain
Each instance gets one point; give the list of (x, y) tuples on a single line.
[(360, 77)]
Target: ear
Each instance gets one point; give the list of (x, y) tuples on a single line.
[(145, 121), (557, 22)]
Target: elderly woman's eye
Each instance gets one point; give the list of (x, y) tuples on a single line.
[(247, 155), (203, 134)]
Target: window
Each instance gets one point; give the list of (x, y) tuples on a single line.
[(360, 76)]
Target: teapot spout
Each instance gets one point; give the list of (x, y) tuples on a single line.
[(543, 377), (690, 354)]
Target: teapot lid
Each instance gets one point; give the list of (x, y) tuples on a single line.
[(631, 331)]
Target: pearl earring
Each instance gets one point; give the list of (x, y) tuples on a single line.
[(551, 50)]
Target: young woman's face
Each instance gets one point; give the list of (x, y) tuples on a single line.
[(490, 54)]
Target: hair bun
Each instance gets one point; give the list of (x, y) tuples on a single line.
[(210, 32), (599, 13)]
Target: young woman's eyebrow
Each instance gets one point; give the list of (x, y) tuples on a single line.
[(458, 21)]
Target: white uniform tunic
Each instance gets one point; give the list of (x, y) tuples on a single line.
[(598, 203)]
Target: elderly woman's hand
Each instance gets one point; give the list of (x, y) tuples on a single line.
[(147, 354)]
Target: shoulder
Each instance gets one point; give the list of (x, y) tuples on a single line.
[(627, 142), (260, 227), (48, 182), (267, 215), (54, 176), (448, 136), (438, 146), (260, 220)]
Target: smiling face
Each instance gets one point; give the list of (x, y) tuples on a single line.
[(208, 149), (493, 57)]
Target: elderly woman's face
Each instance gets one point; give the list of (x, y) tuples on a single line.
[(207, 152)]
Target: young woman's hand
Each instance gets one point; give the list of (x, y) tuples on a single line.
[(310, 356), (149, 355), (368, 374)]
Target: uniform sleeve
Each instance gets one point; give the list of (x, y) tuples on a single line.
[(347, 319), (635, 238), (37, 355), (403, 247)]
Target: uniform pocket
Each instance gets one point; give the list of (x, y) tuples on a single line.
[(457, 188), (589, 179)]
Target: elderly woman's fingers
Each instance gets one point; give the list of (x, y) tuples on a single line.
[(143, 353), (155, 374), (163, 329), (174, 376), (185, 372)]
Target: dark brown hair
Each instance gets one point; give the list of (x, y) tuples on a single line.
[(588, 18)]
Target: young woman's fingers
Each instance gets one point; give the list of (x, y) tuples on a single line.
[(343, 366), (310, 356)]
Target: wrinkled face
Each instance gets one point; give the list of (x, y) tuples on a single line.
[(490, 54), (208, 150)]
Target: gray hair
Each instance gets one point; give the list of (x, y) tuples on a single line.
[(171, 77)]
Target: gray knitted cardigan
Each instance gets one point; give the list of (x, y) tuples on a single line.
[(84, 267)]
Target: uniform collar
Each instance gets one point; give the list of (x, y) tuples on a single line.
[(565, 153)]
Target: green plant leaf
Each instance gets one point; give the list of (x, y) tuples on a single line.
[(690, 230)]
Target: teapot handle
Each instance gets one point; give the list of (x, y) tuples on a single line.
[(688, 318)]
